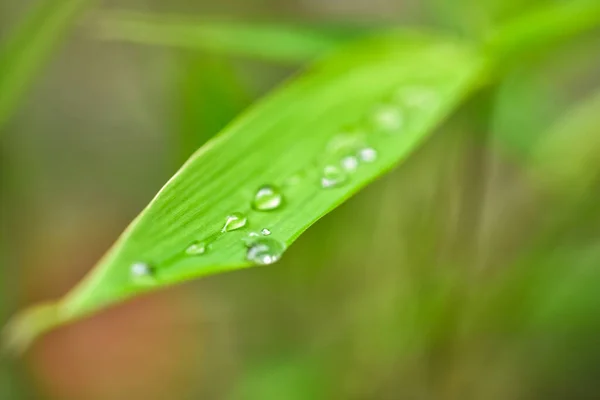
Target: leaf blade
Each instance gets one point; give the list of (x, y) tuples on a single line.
[(285, 43)]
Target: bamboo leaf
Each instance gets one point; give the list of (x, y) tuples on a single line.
[(316, 141)]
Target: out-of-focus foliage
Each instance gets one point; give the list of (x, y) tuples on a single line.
[(568, 154), (275, 42), (207, 95), (22, 55)]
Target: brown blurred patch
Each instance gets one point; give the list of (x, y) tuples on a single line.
[(140, 350)]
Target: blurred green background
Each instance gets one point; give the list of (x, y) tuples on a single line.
[(457, 276)]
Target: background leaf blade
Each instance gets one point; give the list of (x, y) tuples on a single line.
[(285, 43)]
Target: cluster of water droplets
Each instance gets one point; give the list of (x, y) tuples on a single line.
[(344, 155), (337, 174), (260, 248), (348, 151)]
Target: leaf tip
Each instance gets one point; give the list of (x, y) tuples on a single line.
[(26, 326)]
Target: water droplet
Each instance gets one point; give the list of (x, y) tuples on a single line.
[(265, 251), (388, 117), (368, 154), (344, 142), (143, 273), (349, 163), (265, 232), (421, 97), (198, 248), (253, 235), (267, 198), (234, 221), (293, 180), (333, 177)]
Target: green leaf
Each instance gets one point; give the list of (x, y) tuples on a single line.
[(475, 17), (544, 27), (568, 156), (386, 95), (208, 94), (524, 109), (29, 46), (268, 41)]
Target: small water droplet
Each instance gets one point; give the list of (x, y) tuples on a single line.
[(349, 163), (333, 177), (142, 273), (421, 97), (344, 142), (253, 234), (265, 251), (292, 180), (368, 154), (267, 198), (265, 232), (197, 248), (388, 117), (234, 221)]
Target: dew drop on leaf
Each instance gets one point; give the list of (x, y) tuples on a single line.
[(143, 273), (197, 248), (265, 232), (388, 118), (344, 142), (333, 177), (264, 251), (420, 97), (234, 221), (295, 179), (367, 154), (267, 198), (349, 163)]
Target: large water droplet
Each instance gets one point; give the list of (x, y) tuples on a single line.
[(388, 118), (349, 163), (367, 154), (143, 273), (267, 198), (234, 221), (265, 251), (333, 177), (198, 248), (265, 232)]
